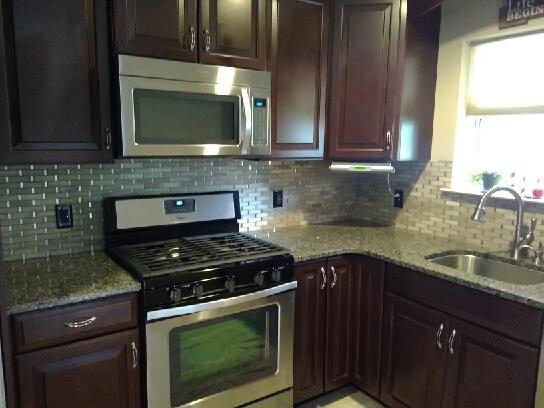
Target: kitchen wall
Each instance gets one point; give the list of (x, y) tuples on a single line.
[(428, 210), (28, 195)]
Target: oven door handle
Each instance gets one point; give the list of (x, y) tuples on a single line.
[(216, 304)]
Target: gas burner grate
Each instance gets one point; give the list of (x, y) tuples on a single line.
[(201, 251)]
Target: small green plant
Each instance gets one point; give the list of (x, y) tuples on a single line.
[(488, 179)]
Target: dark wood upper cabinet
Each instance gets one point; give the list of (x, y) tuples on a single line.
[(339, 301), (309, 342), (54, 63), (368, 276), (233, 33), (488, 370), (102, 372), (299, 77), (414, 354), (420, 7), (163, 29), (368, 38)]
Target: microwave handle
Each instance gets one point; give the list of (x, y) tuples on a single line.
[(245, 109), (200, 307)]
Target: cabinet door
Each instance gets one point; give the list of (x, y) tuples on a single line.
[(56, 60), (299, 75), (101, 372), (488, 370), (233, 33), (337, 334), (365, 65), (161, 29), (367, 327), (309, 330), (414, 354)]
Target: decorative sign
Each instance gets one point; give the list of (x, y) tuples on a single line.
[(518, 12)]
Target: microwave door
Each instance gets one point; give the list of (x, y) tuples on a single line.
[(176, 118)]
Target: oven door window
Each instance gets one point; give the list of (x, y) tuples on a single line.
[(182, 118), (216, 355)]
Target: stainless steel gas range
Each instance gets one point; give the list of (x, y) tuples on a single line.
[(218, 304)]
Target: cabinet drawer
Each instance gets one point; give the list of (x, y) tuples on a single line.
[(514, 319), (47, 328)]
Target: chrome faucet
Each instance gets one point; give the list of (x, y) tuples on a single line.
[(519, 240)]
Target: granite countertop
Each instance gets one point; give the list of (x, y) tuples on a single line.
[(60, 280), (397, 246)]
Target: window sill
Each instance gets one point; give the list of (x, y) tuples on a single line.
[(500, 195)]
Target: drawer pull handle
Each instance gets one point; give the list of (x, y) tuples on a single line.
[(439, 336), (134, 356), (81, 323)]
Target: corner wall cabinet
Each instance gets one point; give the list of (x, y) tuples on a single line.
[(299, 77)]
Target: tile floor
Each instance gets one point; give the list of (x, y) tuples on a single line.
[(346, 397)]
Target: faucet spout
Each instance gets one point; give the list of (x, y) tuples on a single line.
[(479, 214)]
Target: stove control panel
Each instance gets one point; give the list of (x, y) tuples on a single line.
[(250, 277)]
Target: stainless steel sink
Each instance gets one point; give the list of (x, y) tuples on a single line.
[(490, 268)]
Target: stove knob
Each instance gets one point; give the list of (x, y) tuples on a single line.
[(197, 290), (276, 274), (174, 294), (230, 284), (259, 278)]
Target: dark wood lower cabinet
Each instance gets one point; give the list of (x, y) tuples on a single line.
[(333, 300), (310, 330), (414, 354), (486, 369), (337, 334), (100, 372), (368, 277)]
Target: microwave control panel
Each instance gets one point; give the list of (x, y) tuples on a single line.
[(260, 122)]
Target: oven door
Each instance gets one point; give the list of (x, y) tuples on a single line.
[(162, 117), (223, 353)]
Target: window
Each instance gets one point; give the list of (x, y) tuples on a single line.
[(503, 129)]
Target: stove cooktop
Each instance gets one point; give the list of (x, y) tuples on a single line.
[(181, 255)]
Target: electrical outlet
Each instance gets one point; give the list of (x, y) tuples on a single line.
[(277, 198), (398, 199), (64, 216)]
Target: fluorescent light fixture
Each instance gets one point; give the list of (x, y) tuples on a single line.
[(362, 167)]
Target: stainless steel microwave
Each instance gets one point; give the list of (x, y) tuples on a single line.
[(171, 108)]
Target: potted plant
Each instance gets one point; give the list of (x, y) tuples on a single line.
[(488, 179)]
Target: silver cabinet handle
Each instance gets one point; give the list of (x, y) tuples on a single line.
[(334, 277), (192, 32), (388, 140), (207, 40), (134, 356), (452, 338), (80, 323), (323, 278), (108, 137), (439, 336)]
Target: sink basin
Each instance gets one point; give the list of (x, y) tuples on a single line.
[(490, 268)]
